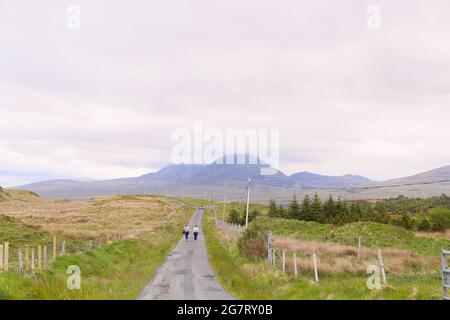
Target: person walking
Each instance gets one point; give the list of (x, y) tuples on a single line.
[(186, 232), (195, 232)]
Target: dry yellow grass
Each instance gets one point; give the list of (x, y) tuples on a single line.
[(101, 217), (438, 235), (338, 258)]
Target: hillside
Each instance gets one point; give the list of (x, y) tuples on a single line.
[(115, 270), (99, 217), (312, 180), (238, 174), (4, 195), (197, 181), (442, 173), (412, 263), (374, 235), (174, 172)]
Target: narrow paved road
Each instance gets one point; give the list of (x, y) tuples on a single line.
[(187, 274)]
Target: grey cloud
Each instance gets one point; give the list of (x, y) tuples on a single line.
[(103, 101)]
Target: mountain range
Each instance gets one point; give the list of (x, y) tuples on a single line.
[(201, 180)]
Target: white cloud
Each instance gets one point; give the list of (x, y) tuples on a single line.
[(102, 102)]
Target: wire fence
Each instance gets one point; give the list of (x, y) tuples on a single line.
[(445, 275), (308, 264), (233, 228), (29, 259)]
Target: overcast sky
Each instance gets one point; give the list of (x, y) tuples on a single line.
[(101, 102)]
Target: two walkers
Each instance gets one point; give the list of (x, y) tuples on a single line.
[(186, 232)]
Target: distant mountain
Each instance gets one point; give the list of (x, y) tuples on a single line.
[(312, 180), (202, 179), (172, 177), (175, 172), (438, 174), (238, 174)]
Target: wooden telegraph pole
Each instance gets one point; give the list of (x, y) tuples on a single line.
[(248, 204), (269, 248), (224, 201)]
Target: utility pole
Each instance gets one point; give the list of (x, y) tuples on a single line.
[(248, 203), (224, 201), (214, 206)]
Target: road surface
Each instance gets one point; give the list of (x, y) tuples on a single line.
[(187, 274)]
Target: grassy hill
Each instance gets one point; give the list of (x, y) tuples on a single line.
[(4, 196), (93, 218), (373, 234), (412, 262)]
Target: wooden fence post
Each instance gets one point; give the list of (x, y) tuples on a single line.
[(269, 248), (316, 272), (39, 260), (274, 257), (1, 257), (359, 247), (32, 259), (90, 244), (381, 262), (27, 258), (295, 265), (6, 257), (284, 261), (63, 248), (45, 254), (20, 261), (54, 248), (445, 274)]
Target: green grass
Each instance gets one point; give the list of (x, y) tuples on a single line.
[(382, 235), (116, 271), (18, 234), (22, 195), (195, 202), (240, 207), (305, 230), (248, 279), (372, 234)]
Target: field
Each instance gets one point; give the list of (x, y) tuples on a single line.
[(148, 226), (94, 218), (412, 262), (374, 235)]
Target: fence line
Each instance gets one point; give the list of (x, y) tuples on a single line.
[(445, 275), (293, 267), (233, 228), (381, 263), (29, 259)]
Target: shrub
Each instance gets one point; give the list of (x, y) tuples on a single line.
[(405, 221), (233, 217), (440, 218), (424, 225), (439, 226), (253, 245)]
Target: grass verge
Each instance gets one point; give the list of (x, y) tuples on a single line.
[(116, 271), (252, 279)]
